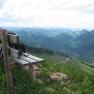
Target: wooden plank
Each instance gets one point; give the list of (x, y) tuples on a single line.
[(1, 53), (14, 53), (33, 57), (0, 36), (0, 45), (28, 59), (1, 30), (20, 61), (8, 73), (12, 65), (13, 38), (32, 70)]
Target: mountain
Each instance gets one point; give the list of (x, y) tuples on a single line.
[(76, 43), (85, 46), (50, 32), (80, 46)]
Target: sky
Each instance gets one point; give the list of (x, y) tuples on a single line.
[(47, 13)]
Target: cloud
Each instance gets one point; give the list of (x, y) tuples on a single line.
[(58, 13), (84, 6), (1, 3)]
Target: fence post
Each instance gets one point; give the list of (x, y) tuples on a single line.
[(8, 73)]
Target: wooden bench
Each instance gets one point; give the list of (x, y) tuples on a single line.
[(25, 59), (9, 47), (19, 57), (28, 60)]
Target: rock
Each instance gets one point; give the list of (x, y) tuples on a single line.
[(58, 76)]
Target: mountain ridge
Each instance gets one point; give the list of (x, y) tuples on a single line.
[(79, 44)]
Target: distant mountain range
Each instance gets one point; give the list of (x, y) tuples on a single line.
[(78, 43)]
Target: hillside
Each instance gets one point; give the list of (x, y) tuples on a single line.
[(79, 76), (85, 46), (76, 43)]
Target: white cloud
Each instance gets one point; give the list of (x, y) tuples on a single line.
[(58, 13), (1, 3)]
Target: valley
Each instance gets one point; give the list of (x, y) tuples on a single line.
[(67, 55), (75, 43)]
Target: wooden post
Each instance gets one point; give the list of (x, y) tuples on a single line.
[(8, 73), (32, 70)]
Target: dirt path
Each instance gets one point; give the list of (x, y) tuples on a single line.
[(60, 63)]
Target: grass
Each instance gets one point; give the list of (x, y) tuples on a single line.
[(3, 88), (80, 77)]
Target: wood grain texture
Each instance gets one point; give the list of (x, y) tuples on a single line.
[(20, 61), (13, 38), (14, 53), (28, 59), (8, 73), (33, 57)]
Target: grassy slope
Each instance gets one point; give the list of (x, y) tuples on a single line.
[(80, 74), (73, 62), (3, 88), (87, 69), (80, 77)]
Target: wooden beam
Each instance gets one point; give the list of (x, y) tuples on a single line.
[(20, 61), (33, 57), (1, 53), (28, 59), (13, 38), (14, 53), (12, 65), (1, 33), (32, 70), (8, 73), (0, 45), (0, 36)]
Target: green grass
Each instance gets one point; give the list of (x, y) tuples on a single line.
[(80, 77), (3, 88), (87, 69)]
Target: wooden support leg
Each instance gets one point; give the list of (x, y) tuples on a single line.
[(8, 72), (32, 70)]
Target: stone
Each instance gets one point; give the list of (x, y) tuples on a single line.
[(58, 76)]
